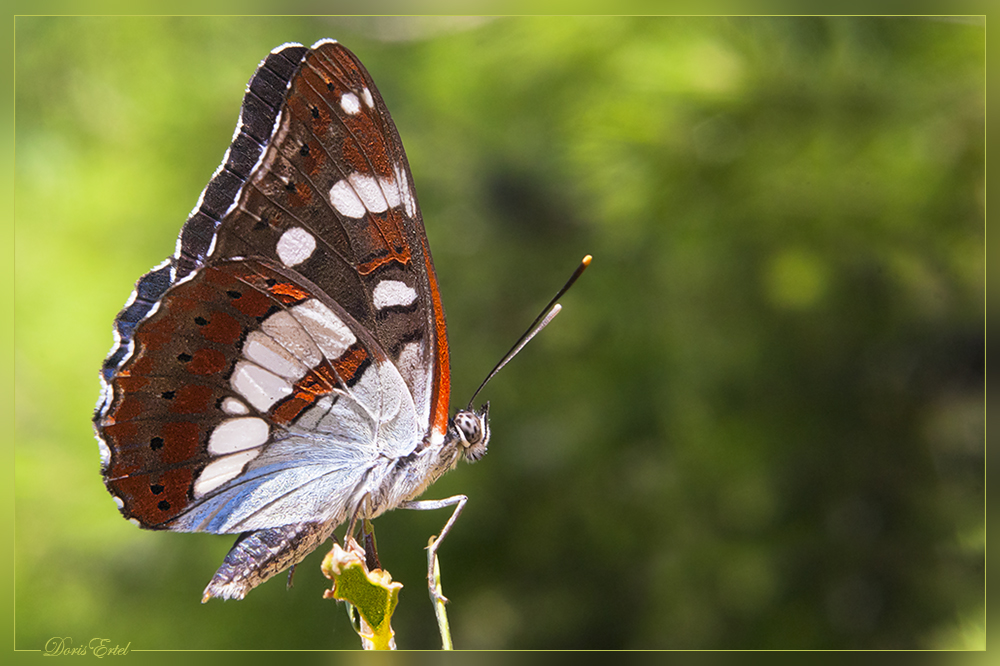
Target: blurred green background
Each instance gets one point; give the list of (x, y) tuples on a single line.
[(758, 422)]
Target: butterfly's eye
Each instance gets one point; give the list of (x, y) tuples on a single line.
[(474, 430), (469, 426)]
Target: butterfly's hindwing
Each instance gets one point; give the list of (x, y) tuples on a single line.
[(244, 379)]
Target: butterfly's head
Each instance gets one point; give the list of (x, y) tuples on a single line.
[(473, 429)]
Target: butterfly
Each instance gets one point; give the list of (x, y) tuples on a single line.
[(286, 370)]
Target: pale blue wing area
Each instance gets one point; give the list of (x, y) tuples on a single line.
[(316, 468)]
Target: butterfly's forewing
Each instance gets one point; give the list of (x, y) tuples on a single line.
[(337, 171)]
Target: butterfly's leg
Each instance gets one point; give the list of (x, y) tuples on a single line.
[(371, 549), (433, 576), (367, 532)]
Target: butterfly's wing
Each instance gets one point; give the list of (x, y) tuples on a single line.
[(294, 345)]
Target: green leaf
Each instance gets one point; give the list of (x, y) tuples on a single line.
[(373, 594)]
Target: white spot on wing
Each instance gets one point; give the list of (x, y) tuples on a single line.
[(231, 405), (391, 191), (330, 334), (222, 470), (262, 388), (238, 435), (393, 292), (266, 352), (359, 193), (345, 200), (369, 190), (403, 185), (349, 103), (289, 333), (369, 102), (295, 246)]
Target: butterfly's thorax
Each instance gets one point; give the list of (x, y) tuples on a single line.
[(407, 477), (398, 480)]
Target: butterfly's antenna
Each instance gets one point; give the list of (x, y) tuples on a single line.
[(547, 314)]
